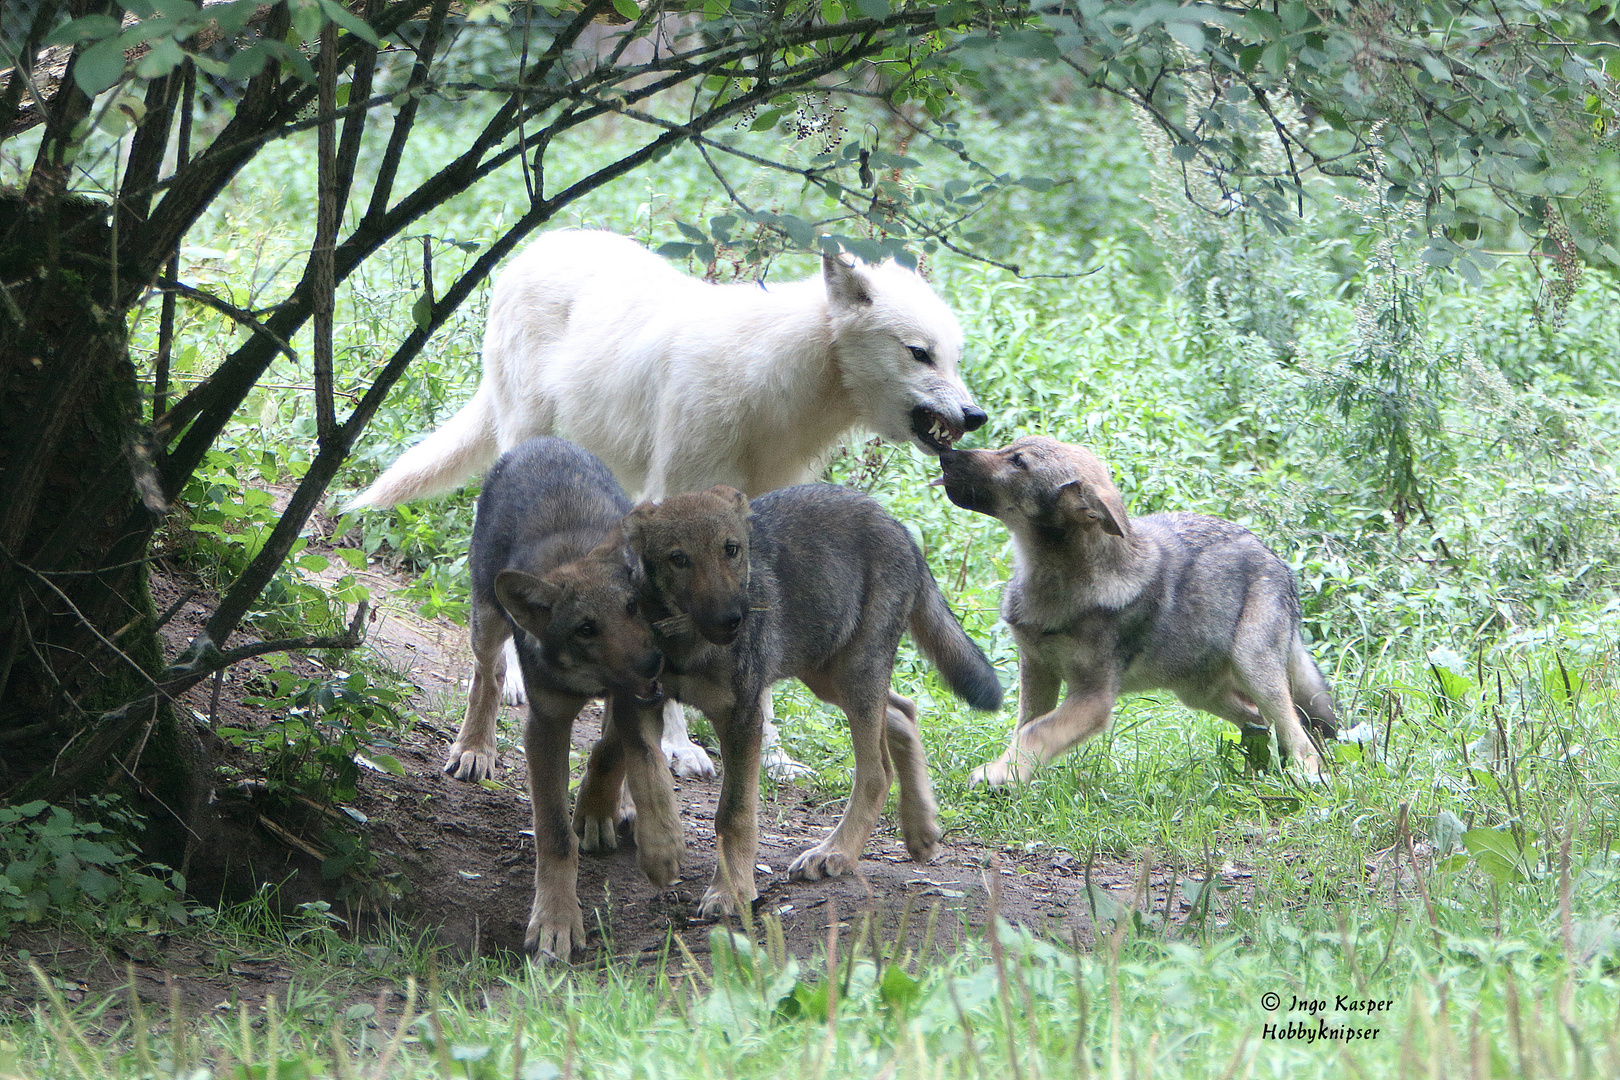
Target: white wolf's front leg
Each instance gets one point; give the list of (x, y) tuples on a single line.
[(512, 685), (771, 755), (686, 758)]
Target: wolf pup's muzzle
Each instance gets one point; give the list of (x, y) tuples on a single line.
[(960, 476)]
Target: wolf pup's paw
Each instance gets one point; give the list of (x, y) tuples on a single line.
[(554, 939), (717, 903), (821, 861), (659, 855), (923, 846), (597, 833), (690, 760), (470, 763)]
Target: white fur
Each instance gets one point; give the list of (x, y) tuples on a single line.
[(679, 385)]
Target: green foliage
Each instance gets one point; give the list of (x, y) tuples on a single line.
[(1422, 98), (56, 864), (230, 509), (321, 731)]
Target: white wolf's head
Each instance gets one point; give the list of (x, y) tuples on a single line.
[(897, 347)]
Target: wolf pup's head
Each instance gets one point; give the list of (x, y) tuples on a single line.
[(1044, 491), (694, 552), (586, 618), (897, 346)]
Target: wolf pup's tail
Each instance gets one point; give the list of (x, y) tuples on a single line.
[(1311, 693), (960, 662), (464, 446)]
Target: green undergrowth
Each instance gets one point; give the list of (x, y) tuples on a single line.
[(1397, 985)]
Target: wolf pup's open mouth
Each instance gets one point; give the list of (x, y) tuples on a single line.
[(933, 430)]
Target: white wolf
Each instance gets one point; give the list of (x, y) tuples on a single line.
[(679, 385)]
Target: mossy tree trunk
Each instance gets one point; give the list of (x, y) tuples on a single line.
[(78, 508)]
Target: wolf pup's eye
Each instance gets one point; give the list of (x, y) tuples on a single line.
[(679, 560), (630, 606), (921, 355), (585, 629), (733, 549), (1018, 461)]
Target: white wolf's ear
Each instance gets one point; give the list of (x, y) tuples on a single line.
[(846, 285), (1090, 505), (527, 599)]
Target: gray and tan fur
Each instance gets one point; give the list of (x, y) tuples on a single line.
[(551, 569), (1102, 604), (832, 583)]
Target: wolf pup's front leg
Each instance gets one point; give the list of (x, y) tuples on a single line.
[(556, 927), (736, 817)]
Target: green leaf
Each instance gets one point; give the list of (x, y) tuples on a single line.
[(873, 9), (628, 9), (1190, 34), (675, 250), (164, 57), (99, 66), (391, 765), (91, 26), (351, 22), (1497, 854), (422, 312), (307, 20), (898, 990)]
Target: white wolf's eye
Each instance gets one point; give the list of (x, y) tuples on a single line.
[(921, 355)]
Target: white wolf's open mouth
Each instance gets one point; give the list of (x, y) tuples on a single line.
[(934, 430)]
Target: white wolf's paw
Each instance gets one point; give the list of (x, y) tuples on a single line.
[(821, 861), (993, 774), (688, 759), (554, 938), (470, 763), (778, 766), (512, 688)]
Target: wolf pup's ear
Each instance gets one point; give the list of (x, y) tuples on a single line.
[(846, 286), (527, 599), (632, 525), (737, 499), (1088, 505)]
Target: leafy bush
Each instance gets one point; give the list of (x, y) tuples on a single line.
[(58, 864)]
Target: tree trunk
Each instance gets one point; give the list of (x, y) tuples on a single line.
[(78, 507)]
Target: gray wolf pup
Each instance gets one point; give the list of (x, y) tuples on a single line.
[(679, 385), (550, 568), (1112, 605), (832, 582)]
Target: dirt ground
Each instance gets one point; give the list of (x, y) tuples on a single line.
[(463, 857)]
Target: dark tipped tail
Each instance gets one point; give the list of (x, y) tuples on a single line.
[(1311, 694), (961, 663)]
